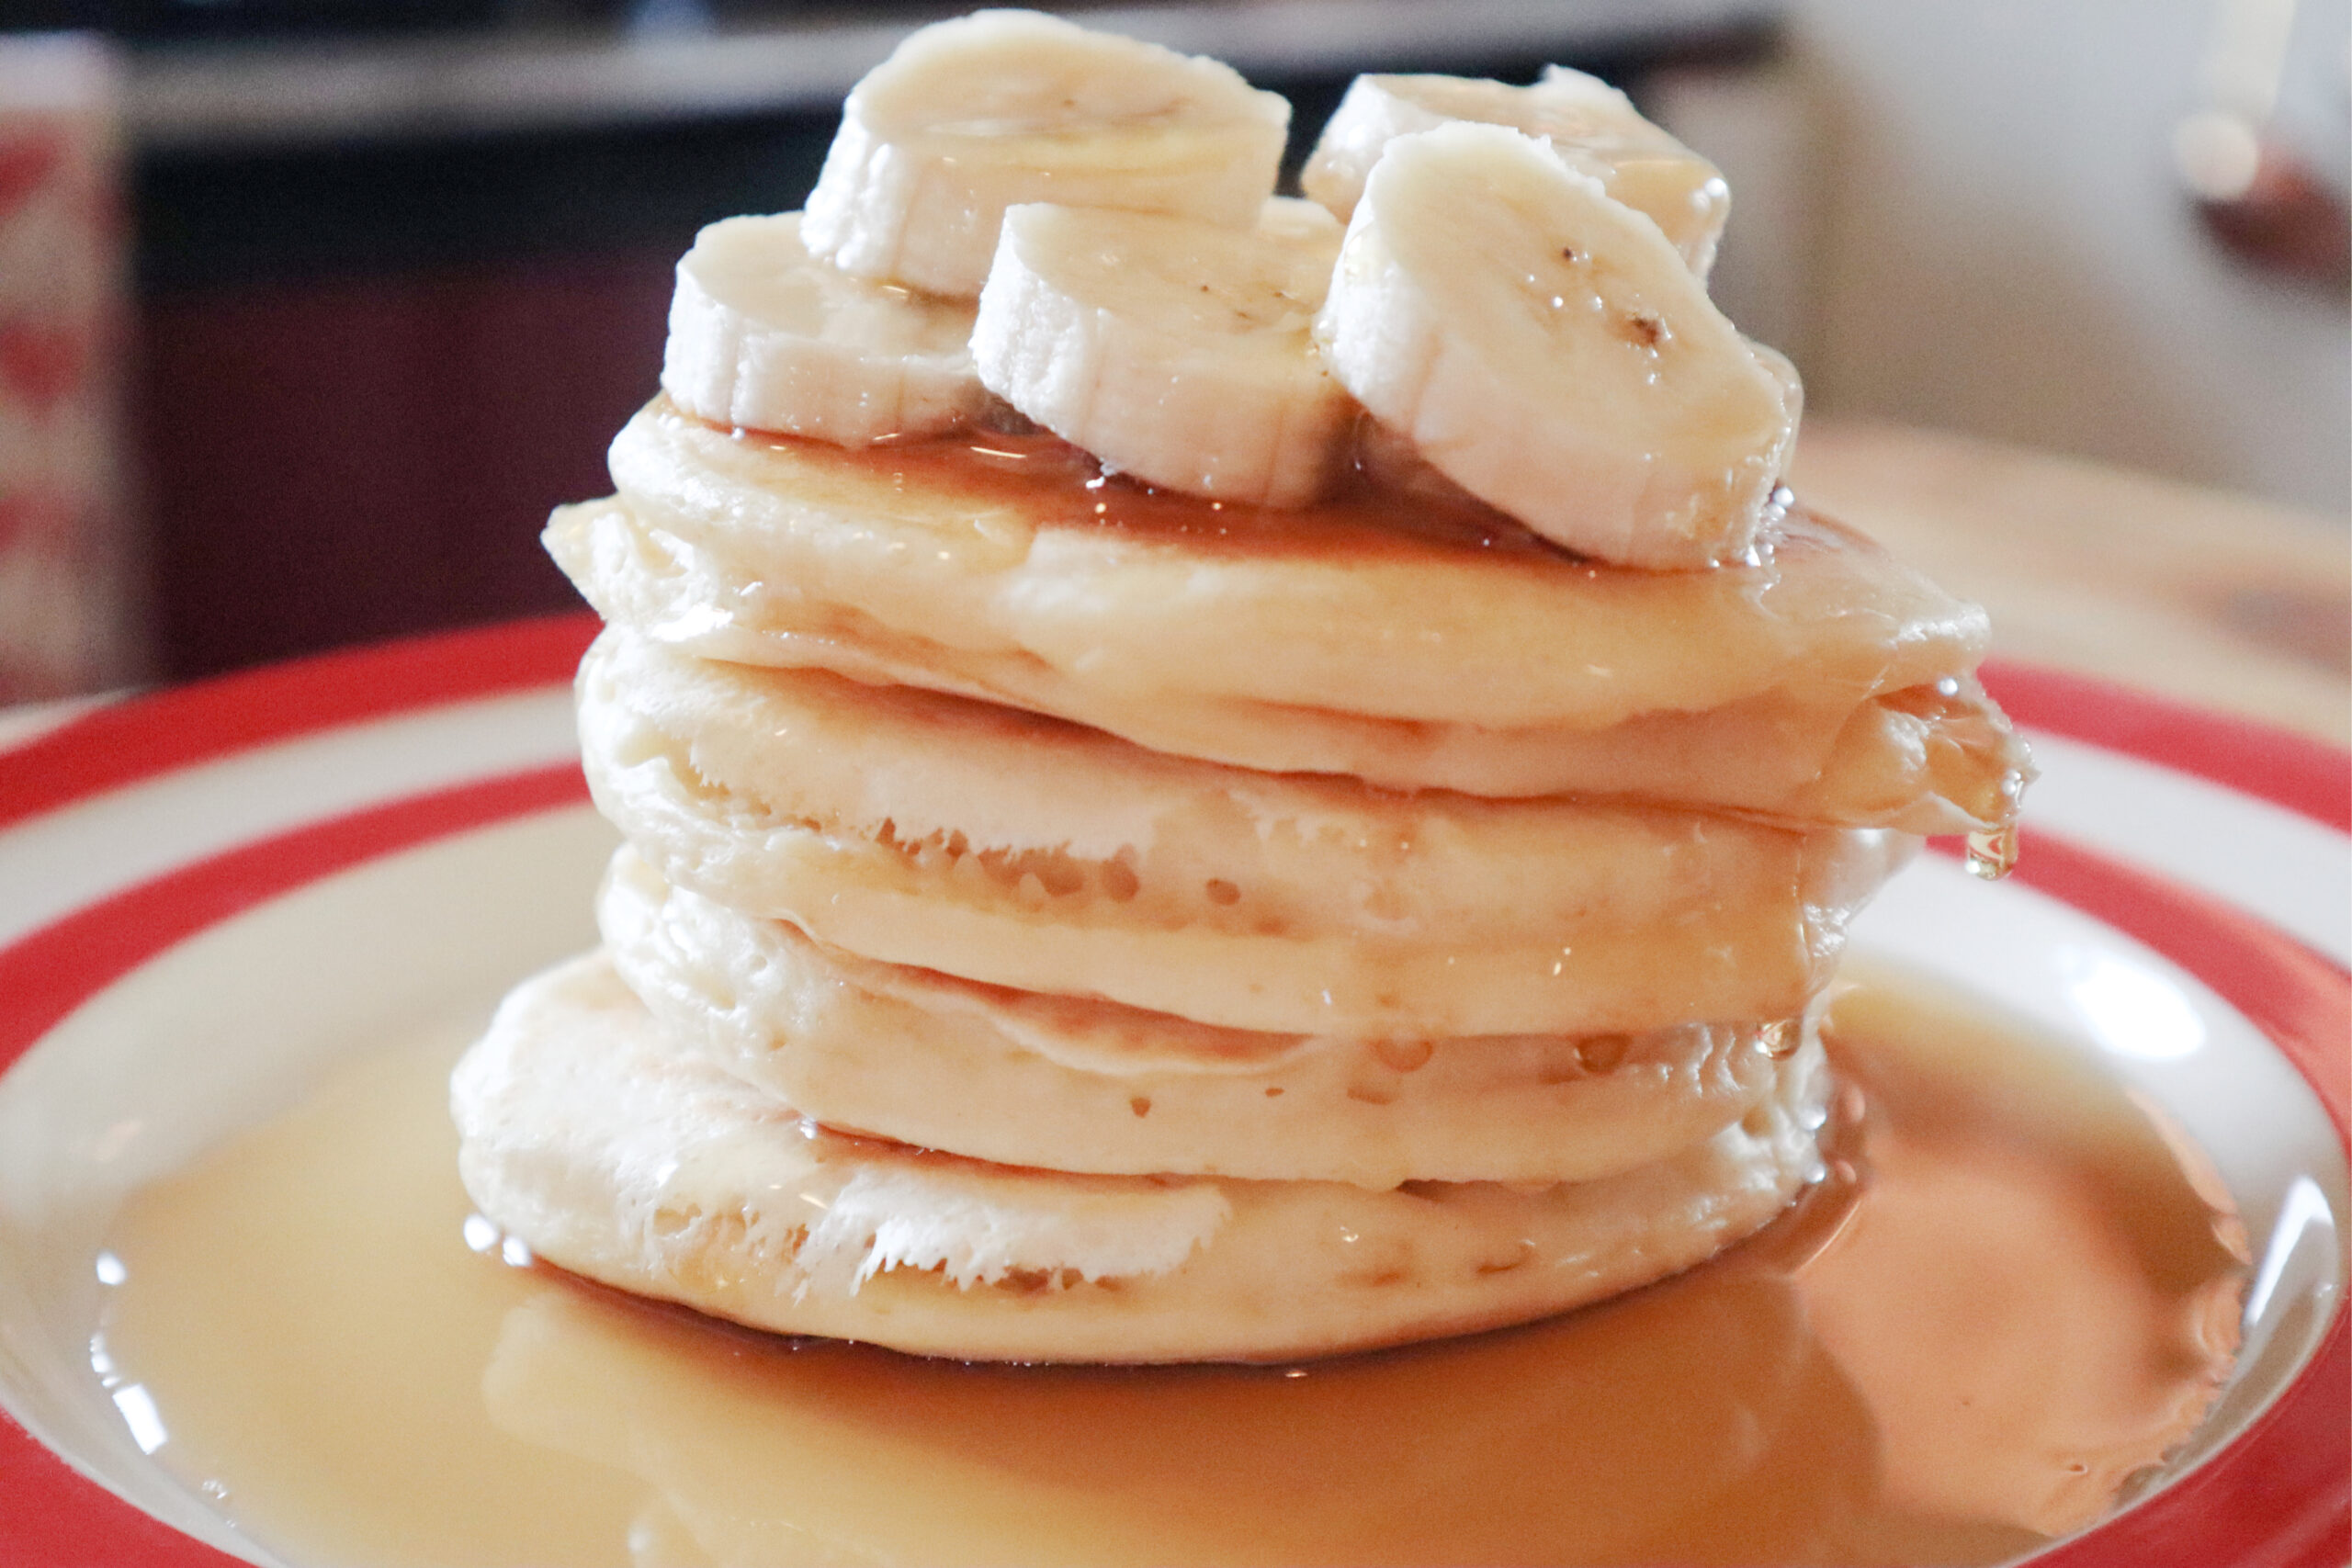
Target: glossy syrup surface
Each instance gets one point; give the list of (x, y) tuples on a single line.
[(2009, 1300), (1051, 483)]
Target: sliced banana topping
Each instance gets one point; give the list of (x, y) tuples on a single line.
[(763, 336), (1173, 350), (1593, 127), (970, 117), (1546, 348)]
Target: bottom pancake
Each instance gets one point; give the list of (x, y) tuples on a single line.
[(619, 1157)]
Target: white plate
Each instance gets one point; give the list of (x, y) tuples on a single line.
[(209, 897)]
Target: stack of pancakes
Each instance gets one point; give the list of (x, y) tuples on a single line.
[(1065, 918)]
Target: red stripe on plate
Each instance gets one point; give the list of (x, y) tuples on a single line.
[(58, 1518), (2302, 774), (124, 742), (56, 1515)]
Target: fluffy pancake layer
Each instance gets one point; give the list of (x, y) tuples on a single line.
[(622, 1159), (926, 831), (1016, 1078), (1415, 646)]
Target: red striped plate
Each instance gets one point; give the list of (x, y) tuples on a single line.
[(2196, 863)]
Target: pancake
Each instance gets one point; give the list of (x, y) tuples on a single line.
[(1020, 1078), (921, 830), (1420, 645), (617, 1158)]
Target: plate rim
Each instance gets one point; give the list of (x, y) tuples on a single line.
[(147, 735), (2301, 1001)]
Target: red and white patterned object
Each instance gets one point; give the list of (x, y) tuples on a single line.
[(64, 576), (132, 832)]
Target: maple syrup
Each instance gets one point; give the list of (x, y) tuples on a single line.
[(1993, 853), (2005, 1304)]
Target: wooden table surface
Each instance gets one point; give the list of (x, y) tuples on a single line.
[(2213, 598)]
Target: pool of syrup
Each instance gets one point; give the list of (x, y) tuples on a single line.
[(2006, 1305)]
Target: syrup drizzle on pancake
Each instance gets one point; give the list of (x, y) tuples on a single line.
[(1372, 511), (1056, 484)]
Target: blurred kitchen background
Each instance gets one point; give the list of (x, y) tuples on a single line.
[(310, 309)]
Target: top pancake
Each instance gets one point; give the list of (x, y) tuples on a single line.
[(1414, 641)]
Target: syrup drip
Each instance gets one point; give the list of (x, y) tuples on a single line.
[(1993, 855)]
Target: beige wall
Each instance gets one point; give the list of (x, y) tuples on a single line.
[(1997, 242)]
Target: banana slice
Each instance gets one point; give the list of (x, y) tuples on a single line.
[(764, 337), (1593, 127), (1548, 349), (970, 117), (1173, 350)]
